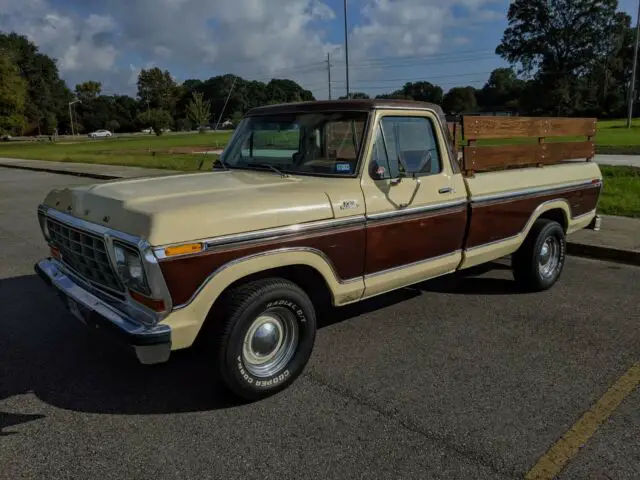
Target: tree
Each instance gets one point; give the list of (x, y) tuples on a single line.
[(424, 92), (158, 89), (156, 118), (460, 100), (13, 95), (199, 111), (89, 90), (559, 43), (421, 91), (47, 95), (502, 91), (357, 96)]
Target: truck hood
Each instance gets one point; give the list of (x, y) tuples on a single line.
[(191, 207)]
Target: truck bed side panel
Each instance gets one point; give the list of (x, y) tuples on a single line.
[(505, 204)]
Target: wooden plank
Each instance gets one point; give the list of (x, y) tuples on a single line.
[(489, 157), (490, 127)]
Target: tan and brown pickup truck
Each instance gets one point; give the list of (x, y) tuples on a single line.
[(311, 205)]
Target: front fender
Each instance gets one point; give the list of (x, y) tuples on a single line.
[(186, 320)]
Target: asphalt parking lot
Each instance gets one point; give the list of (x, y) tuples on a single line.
[(448, 379)]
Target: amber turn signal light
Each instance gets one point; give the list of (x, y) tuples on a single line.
[(183, 249)]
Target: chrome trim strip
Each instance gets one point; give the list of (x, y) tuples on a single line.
[(155, 279), (263, 254), (271, 233), (527, 225), (55, 271), (533, 191), (413, 264), (417, 210), (284, 231)]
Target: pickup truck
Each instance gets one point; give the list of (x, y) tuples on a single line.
[(313, 205)]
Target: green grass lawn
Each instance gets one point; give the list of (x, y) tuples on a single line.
[(177, 151), (621, 192), (174, 151)]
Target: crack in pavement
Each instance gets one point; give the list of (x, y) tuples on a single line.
[(394, 415)]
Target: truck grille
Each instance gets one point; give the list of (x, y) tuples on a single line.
[(85, 254)]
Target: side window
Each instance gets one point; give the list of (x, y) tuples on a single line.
[(408, 141)]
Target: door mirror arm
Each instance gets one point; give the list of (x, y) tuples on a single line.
[(415, 192)]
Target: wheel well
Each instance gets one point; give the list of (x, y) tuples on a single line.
[(307, 278), (557, 215)]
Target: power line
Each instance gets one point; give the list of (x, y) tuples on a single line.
[(423, 78)]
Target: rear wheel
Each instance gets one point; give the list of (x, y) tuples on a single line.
[(266, 337), (539, 262)]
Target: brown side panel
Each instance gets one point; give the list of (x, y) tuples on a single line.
[(490, 127), (407, 240), (498, 220), (485, 158), (344, 248)]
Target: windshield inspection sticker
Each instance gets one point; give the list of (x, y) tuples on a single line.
[(343, 167)]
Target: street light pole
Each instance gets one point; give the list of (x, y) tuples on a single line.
[(632, 87), (346, 46)]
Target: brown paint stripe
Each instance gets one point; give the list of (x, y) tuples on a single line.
[(495, 221)]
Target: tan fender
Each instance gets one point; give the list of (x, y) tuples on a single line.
[(187, 320)]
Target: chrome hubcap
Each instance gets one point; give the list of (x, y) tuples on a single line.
[(549, 257), (270, 342)]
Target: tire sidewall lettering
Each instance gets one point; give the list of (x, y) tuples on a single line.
[(293, 306)]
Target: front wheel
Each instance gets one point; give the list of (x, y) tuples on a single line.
[(539, 262), (265, 338)]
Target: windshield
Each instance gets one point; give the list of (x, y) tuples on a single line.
[(326, 143)]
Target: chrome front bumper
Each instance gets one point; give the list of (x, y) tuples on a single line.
[(150, 344)]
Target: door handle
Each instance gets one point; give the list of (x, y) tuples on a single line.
[(445, 190)]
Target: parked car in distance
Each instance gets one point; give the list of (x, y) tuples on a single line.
[(323, 204), (100, 133)]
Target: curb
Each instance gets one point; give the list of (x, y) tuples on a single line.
[(628, 257), (97, 176)]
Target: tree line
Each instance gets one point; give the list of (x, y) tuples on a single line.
[(567, 58)]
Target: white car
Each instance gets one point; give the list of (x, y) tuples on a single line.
[(100, 133)]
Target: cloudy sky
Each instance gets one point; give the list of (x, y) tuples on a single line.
[(390, 41)]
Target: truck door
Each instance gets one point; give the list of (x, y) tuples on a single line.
[(416, 203)]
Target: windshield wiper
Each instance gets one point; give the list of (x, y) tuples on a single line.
[(268, 165)]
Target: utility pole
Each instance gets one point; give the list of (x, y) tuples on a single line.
[(329, 72), (346, 46), (632, 87)]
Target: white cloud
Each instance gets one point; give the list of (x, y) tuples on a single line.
[(253, 38)]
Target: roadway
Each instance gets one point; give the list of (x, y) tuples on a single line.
[(447, 379)]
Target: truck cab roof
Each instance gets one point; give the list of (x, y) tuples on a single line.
[(365, 105)]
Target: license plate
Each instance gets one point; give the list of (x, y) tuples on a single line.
[(75, 311)]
